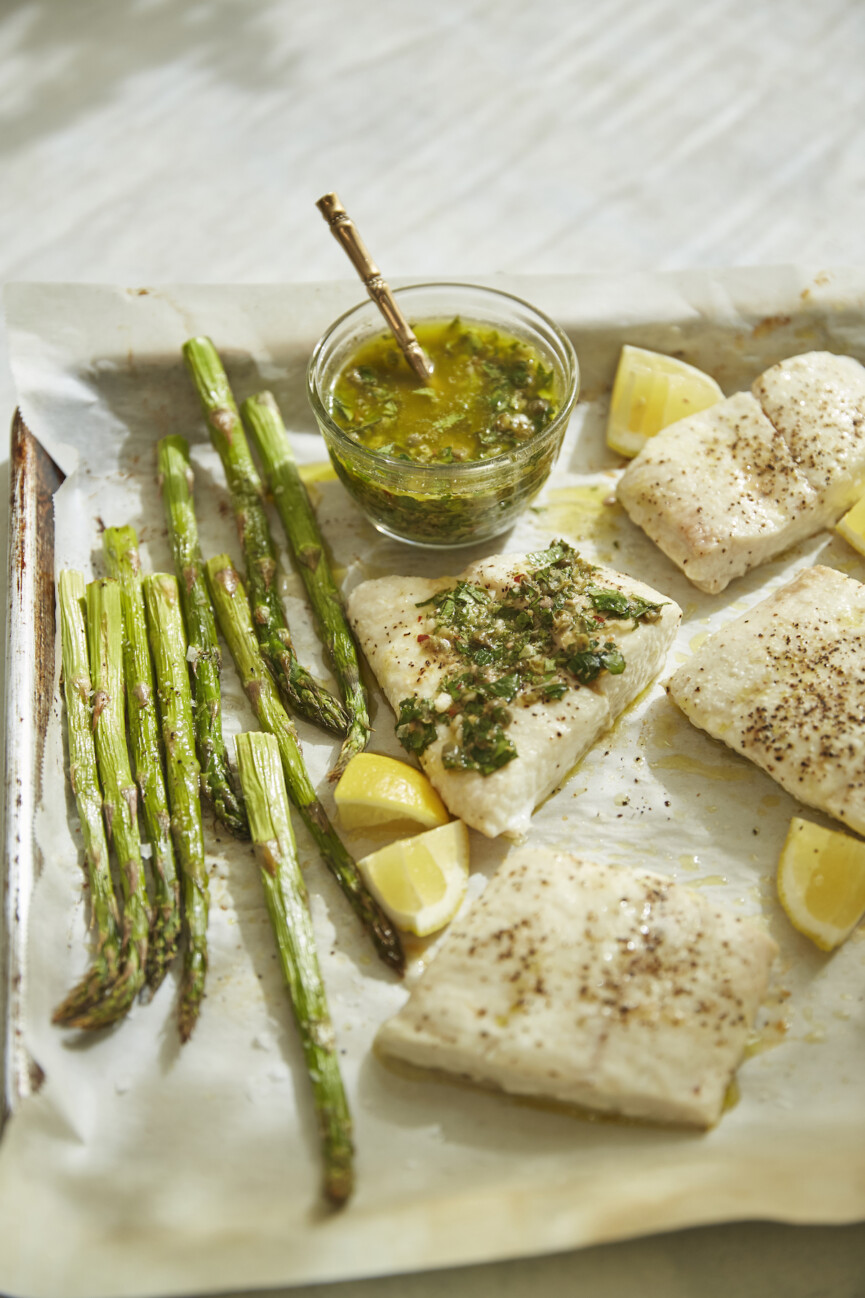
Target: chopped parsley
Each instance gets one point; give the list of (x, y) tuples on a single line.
[(490, 393), (544, 635), (618, 604), (416, 724)]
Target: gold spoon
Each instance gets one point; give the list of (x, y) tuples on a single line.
[(343, 230)]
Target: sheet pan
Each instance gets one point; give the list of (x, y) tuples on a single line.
[(156, 1171)]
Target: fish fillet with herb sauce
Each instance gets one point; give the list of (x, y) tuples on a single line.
[(727, 489), (784, 685), (608, 988), (504, 677)]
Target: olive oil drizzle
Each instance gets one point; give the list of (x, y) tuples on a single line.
[(541, 638), (490, 393)]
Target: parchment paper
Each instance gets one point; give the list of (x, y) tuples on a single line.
[(140, 1168)]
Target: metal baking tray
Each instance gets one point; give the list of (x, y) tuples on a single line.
[(34, 477)]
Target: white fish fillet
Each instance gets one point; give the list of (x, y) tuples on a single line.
[(550, 738), (817, 403), (784, 685), (724, 490), (608, 988)]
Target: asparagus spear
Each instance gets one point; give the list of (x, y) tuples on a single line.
[(106, 992), (105, 643), (262, 417), (120, 547), (168, 643), (302, 693), (285, 894), (235, 622), (175, 475)]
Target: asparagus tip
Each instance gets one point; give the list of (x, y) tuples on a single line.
[(191, 993), (187, 1018), (102, 998), (355, 742), (339, 1183), (164, 941)]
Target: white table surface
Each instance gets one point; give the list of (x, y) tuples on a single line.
[(144, 141)]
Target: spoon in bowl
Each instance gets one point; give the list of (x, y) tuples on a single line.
[(343, 230)]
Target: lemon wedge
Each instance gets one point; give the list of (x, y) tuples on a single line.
[(420, 882), (821, 882), (374, 790), (650, 392), (852, 526)]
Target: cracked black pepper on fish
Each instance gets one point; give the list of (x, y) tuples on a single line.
[(610, 988), (724, 490), (784, 685)]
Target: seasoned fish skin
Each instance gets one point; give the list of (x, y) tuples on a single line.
[(720, 493), (784, 685), (611, 989), (817, 403), (550, 738)]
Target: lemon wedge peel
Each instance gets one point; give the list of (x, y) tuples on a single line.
[(420, 882), (852, 526), (821, 882), (375, 790), (650, 392)]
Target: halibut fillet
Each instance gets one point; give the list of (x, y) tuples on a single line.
[(550, 737), (595, 985), (724, 490), (784, 685)]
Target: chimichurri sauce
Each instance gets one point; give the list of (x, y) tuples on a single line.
[(543, 636), (490, 393)]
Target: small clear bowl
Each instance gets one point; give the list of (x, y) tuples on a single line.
[(442, 506)]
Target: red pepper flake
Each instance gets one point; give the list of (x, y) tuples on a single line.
[(421, 638)]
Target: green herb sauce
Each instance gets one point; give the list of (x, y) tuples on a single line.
[(490, 393), (542, 637)]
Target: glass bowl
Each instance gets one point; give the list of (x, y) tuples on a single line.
[(444, 505)]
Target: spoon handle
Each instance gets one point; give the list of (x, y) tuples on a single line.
[(344, 231)]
